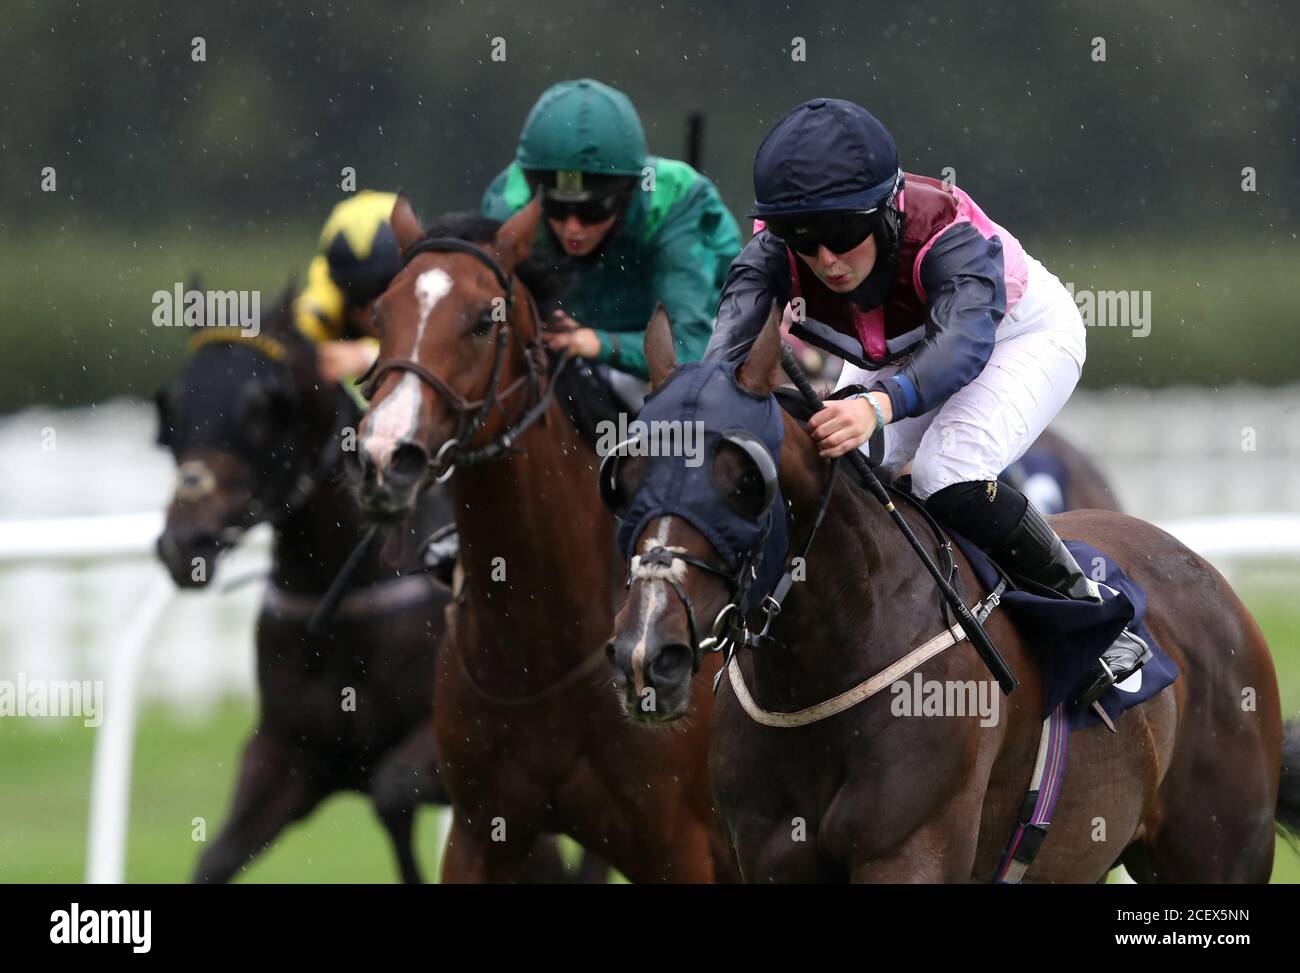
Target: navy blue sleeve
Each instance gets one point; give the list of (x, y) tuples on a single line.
[(759, 275), (967, 298)]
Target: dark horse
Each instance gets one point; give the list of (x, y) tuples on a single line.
[(530, 737), (1186, 790), (1075, 482), (258, 436)]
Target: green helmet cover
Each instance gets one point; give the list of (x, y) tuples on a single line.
[(582, 127)]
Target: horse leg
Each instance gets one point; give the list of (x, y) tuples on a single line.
[(1209, 841), (407, 777), (941, 851), (399, 823), (274, 789), (545, 865), (1212, 835), (473, 858), (1224, 833), (592, 869), (687, 858), (911, 865)]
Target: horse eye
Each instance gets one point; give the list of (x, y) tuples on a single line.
[(484, 324), (739, 481), (749, 482)]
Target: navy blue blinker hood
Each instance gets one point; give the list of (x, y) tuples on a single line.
[(707, 392)]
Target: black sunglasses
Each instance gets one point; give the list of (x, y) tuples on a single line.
[(595, 210), (837, 232)]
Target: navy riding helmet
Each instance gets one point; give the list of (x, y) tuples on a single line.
[(830, 162)]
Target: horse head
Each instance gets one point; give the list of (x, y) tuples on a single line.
[(705, 543), (244, 419), (455, 328)]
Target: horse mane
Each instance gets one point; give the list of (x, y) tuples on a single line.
[(548, 277)]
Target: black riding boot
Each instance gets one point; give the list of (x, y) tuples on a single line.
[(1004, 523)]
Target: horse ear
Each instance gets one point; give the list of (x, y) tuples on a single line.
[(515, 239), (761, 371), (406, 225), (660, 355), (287, 298), (196, 286)]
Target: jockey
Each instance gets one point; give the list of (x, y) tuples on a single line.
[(961, 346), (356, 258), (626, 228)]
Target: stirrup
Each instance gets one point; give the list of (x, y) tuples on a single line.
[(1110, 676)]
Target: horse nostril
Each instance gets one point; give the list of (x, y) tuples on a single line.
[(203, 541), (183, 542), (408, 463), (671, 663), (618, 674)]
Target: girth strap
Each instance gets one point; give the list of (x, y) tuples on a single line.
[(1036, 810)]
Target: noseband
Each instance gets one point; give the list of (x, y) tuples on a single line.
[(472, 415)]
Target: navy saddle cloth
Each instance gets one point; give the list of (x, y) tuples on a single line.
[(1069, 636)]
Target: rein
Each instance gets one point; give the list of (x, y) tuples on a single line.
[(311, 480), (472, 415)]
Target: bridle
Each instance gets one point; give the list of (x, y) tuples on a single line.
[(731, 630), (472, 415)]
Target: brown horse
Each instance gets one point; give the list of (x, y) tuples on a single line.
[(1186, 790), (258, 436), (531, 739)]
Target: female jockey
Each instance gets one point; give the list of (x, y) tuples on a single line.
[(965, 345)]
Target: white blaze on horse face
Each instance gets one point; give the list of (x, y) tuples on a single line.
[(653, 599), (394, 420)]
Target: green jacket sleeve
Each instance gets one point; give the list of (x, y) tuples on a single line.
[(690, 254)]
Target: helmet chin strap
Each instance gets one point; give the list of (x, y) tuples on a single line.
[(874, 289)]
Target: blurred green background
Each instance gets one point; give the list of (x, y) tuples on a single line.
[(1119, 174)]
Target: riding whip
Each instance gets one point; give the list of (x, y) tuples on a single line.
[(325, 610), (969, 624)]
